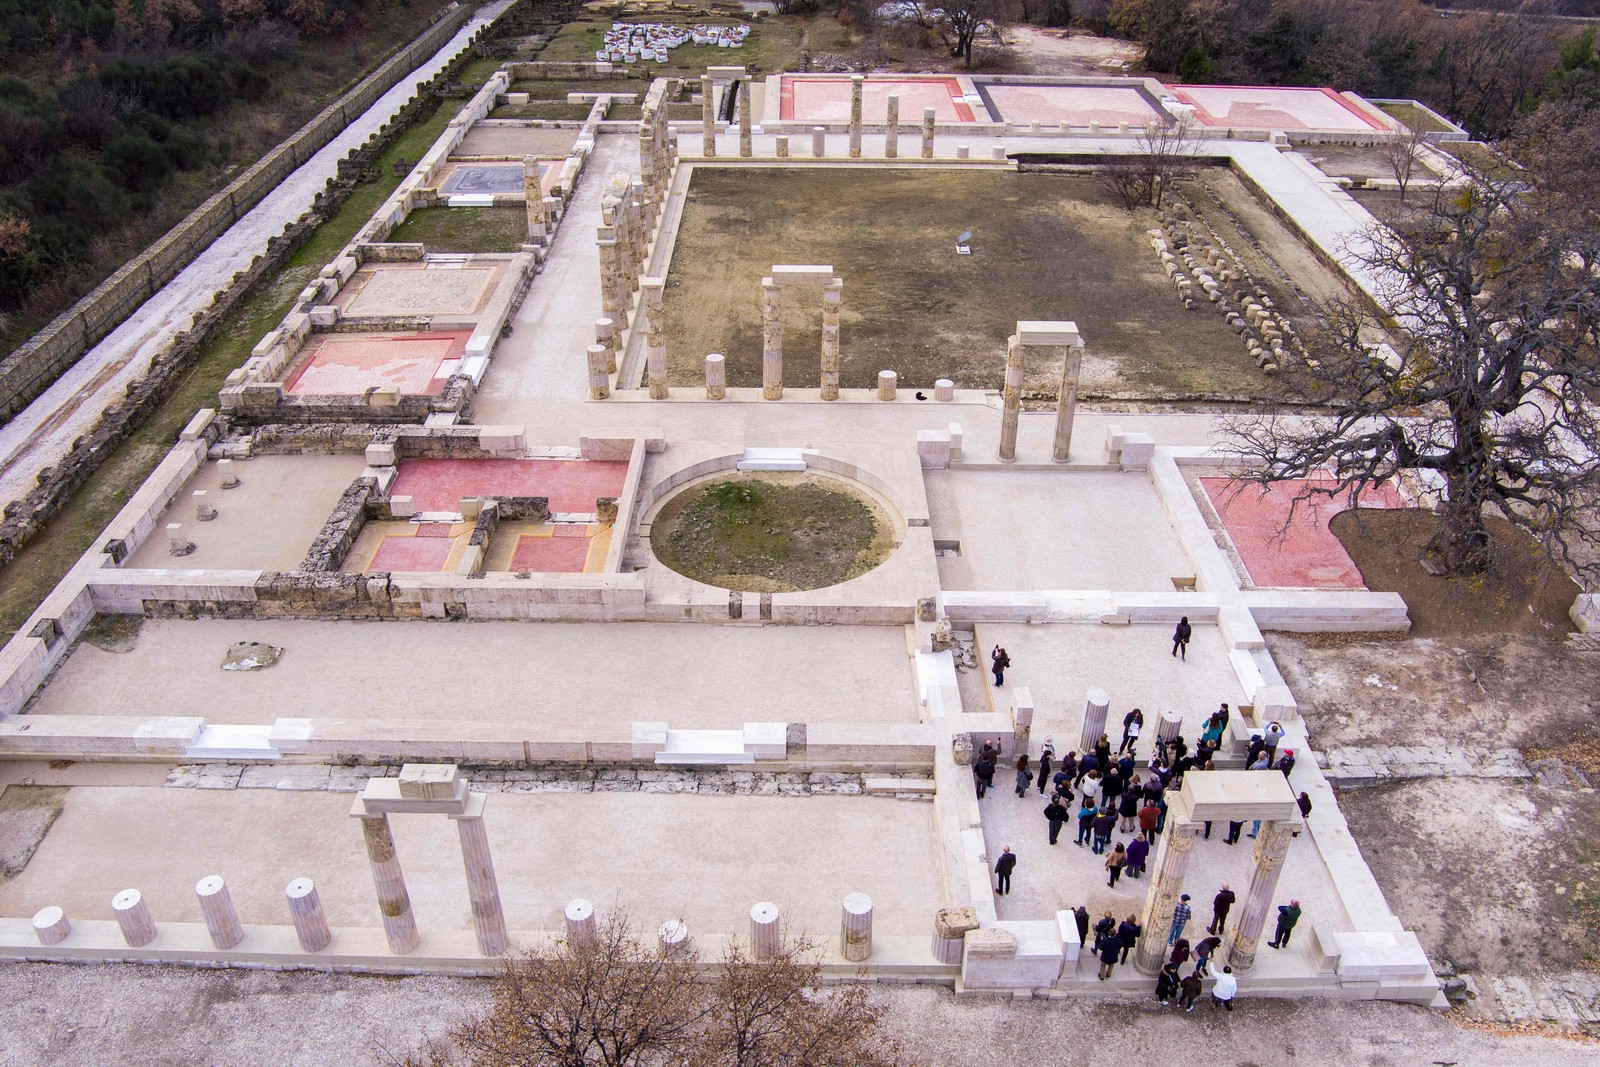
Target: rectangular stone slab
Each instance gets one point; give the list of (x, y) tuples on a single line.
[(1235, 795), (802, 274), (1037, 332)]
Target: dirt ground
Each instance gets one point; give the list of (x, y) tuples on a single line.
[(1045, 246), (1051, 51), (465, 229), (26, 813), (54, 1014), (1522, 593)]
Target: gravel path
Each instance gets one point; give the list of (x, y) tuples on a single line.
[(54, 1014)]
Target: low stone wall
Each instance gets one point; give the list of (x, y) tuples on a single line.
[(268, 404), (339, 533)]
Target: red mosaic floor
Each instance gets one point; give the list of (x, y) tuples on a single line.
[(564, 553), (1260, 108), (425, 555), (828, 99), (570, 485), (1307, 555), (350, 364)]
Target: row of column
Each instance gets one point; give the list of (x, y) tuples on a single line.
[(772, 340), (52, 926), (766, 933), (1066, 399), (891, 148)]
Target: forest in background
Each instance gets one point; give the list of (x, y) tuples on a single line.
[(119, 116)]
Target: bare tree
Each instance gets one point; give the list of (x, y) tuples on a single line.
[(613, 1002), (959, 22), (1493, 309), (1403, 150), (1162, 154)]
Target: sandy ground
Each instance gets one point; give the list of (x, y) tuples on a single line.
[(704, 858), (54, 1014), (576, 673), (1051, 51), (1023, 530)]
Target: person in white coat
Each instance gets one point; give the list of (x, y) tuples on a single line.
[(1225, 990)]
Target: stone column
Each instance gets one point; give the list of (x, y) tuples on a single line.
[(746, 148), (764, 933), (1272, 845), (533, 195), (582, 929), (1170, 726), (1022, 716), (927, 133), (857, 83), (222, 920), (716, 377), (708, 117), (305, 908), (1166, 885), (655, 339), (673, 938), (891, 130), (1011, 398), (781, 145), (605, 333), (394, 903), (599, 380), (50, 925), (1095, 706), (855, 928), (819, 141), (944, 389), (138, 929), (832, 301), (611, 301), (888, 384), (771, 340), (950, 926), (488, 918), (1067, 401)]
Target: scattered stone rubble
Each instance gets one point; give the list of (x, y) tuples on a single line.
[(1365, 766)]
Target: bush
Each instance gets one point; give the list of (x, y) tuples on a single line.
[(183, 87), (138, 162)]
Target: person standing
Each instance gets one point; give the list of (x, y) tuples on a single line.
[(1286, 762), (1288, 915), (1105, 928), (1046, 758), (1003, 868), (1203, 951), (1167, 984), (1305, 805), (1180, 952), (1132, 724), (1092, 787), (1114, 864), (1222, 902), (1189, 991), (998, 662), (1233, 832), (983, 774), (1128, 809), (1227, 987), (1273, 736), (1056, 814), (1086, 815), (1110, 949), (1128, 936), (1180, 919), (1149, 816), (1080, 915), (1068, 771), (1138, 854), (1024, 775), (1180, 638), (1104, 823)]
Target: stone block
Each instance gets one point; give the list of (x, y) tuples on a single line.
[(381, 454), (1043, 332), (1137, 451), (402, 507), (500, 439), (802, 274), (933, 450), (428, 781)]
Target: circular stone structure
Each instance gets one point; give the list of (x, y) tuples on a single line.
[(771, 531)]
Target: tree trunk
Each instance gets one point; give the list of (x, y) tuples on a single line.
[(1461, 544)]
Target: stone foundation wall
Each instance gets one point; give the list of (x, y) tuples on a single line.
[(339, 533)]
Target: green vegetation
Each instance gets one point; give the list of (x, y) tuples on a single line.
[(465, 229), (44, 560), (1414, 117), (771, 534)]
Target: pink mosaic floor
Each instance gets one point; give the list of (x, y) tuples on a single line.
[(425, 555), (564, 553), (570, 485), (350, 364), (1307, 555), (1246, 107), (828, 99), (1075, 104)]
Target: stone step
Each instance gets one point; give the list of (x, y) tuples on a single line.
[(233, 742), (899, 785), (688, 747), (772, 459)]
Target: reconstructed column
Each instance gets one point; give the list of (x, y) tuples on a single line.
[(655, 338), (716, 377), (611, 300), (222, 920), (138, 929), (582, 929), (819, 141), (1095, 706), (891, 130), (1170, 726), (1022, 717), (888, 383), (1011, 398), (599, 380), (488, 918), (1067, 401), (832, 302), (944, 389), (533, 195), (781, 145), (1272, 845), (771, 340), (764, 932), (305, 908), (927, 132), (1166, 886), (708, 117), (50, 925), (673, 938), (855, 928), (857, 83), (225, 471), (950, 926), (746, 149), (605, 333), (399, 925)]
